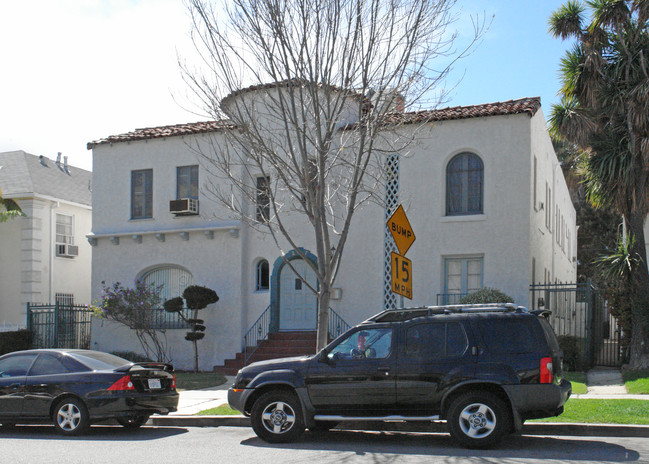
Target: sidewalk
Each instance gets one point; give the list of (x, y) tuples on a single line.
[(603, 383), (193, 401)]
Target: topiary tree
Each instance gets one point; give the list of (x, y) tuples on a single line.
[(195, 298), (487, 295)]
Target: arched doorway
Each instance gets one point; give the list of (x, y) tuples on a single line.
[(293, 306)]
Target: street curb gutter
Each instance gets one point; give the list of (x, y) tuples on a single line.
[(533, 428)]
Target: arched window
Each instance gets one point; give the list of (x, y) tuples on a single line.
[(171, 281), (262, 275), (464, 181)]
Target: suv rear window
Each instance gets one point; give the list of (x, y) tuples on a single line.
[(437, 340), (508, 335)]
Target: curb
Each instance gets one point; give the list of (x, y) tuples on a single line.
[(534, 428)]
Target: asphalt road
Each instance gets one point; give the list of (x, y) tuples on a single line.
[(234, 445)]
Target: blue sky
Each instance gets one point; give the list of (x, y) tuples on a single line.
[(79, 70)]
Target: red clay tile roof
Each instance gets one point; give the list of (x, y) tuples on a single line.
[(521, 106), (165, 131)]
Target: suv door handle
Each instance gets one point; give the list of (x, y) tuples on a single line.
[(385, 370)]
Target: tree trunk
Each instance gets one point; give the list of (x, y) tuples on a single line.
[(323, 318), (195, 355), (639, 348)]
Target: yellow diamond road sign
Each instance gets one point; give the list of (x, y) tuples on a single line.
[(401, 230)]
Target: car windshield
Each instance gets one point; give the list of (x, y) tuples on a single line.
[(96, 360)]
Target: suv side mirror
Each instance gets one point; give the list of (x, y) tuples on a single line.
[(323, 358)]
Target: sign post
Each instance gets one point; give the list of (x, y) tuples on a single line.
[(404, 237)]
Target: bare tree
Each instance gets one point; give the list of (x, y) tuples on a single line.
[(311, 95)]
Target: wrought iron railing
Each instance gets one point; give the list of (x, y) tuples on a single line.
[(450, 298), (59, 326), (257, 333), (337, 324)]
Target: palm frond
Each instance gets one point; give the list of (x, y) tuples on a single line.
[(567, 20)]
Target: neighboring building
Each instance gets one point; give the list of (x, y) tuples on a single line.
[(481, 186), (44, 257)]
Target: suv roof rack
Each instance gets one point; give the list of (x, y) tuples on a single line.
[(404, 314)]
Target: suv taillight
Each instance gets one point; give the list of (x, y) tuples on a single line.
[(173, 382), (124, 383), (546, 370)]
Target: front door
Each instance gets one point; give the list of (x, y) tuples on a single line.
[(298, 304)]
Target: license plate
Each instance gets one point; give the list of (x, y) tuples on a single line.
[(154, 384)]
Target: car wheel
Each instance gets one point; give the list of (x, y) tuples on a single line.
[(478, 419), (277, 417), (133, 422), (71, 416)]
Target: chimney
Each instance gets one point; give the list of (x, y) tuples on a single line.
[(58, 159), (65, 164), (41, 158)]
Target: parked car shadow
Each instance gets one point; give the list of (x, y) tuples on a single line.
[(94, 433), (436, 444)]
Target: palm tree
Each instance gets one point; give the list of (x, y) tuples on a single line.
[(605, 111), (9, 209)]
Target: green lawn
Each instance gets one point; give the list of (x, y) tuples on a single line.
[(594, 411), (578, 381), (223, 410), (196, 381), (636, 382)]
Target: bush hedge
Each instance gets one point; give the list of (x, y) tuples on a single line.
[(15, 341), (486, 295), (574, 352)]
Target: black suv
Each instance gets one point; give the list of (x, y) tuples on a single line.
[(484, 369)]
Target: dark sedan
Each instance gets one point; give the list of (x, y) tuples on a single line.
[(76, 388)]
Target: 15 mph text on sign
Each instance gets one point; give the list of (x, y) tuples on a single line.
[(401, 275)]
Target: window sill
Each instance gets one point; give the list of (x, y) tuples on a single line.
[(465, 218), (141, 219), (265, 290)]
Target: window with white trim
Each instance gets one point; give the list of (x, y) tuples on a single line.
[(462, 276), (64, 229), (262, 277), (142, 194), (464, 185)]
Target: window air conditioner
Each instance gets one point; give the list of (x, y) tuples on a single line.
[(184, 207), (66, 251)]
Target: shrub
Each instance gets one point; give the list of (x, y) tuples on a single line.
[(487, 295), (16, 340), (574, 353)]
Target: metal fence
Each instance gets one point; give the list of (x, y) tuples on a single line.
[(588, 333), (59, 326)]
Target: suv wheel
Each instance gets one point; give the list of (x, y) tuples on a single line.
[(277, 417), (478, 419)]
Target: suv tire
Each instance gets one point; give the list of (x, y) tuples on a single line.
[(277, 417), (478, 419)]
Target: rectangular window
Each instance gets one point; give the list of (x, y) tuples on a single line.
[(548, 207), (64, 229), (262, 213), (461, 277), (187, 182), (142, 194), (534, 194)]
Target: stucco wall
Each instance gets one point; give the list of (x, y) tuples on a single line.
[(30, 272), (507, 236), (554, 261)]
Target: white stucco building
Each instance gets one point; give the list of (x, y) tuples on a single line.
[(44, 257), (481, 186)]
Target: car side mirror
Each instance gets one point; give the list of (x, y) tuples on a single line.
[(324, 358)]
